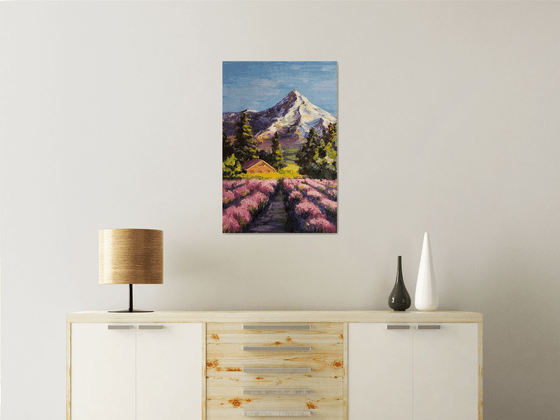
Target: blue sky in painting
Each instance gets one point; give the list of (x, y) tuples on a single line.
[(259, 85)]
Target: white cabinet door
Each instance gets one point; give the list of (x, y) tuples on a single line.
[(169, 371), (103, 372), (446, 372), (379, 372)]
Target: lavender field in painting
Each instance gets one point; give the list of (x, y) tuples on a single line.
[(279, 149)]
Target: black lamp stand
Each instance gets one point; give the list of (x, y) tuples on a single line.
[(130, 308)]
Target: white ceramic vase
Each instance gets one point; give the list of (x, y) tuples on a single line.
[(426, 298)]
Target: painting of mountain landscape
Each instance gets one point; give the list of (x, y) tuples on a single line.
[(279, 147)]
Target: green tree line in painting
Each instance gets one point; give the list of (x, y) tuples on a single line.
[(316, 159), (318, 156)]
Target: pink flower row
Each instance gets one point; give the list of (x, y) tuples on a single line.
[(243, 213), (328, 187), (292, 183), (233, 195), (230, 185), (307, 185), (309, 215), (319, 224), (329, 205), (315, 183), (235, 218), (297, 190), (266, 187), (312, 219)]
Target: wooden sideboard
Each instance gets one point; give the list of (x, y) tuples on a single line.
[(327, 365)]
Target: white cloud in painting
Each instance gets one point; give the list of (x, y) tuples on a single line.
[(265, 83), (257, 93), (325, 85)]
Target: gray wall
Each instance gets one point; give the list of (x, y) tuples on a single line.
[(111, 117)]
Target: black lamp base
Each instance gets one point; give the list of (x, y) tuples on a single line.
[(130, 308), (121, 311)]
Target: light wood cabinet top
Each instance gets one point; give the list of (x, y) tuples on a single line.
[(275, 316)]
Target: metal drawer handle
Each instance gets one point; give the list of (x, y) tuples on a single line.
[(398, 327), (277, 370), (276, 327), (429, 327), (277, 413), (298, 348), (276, 391), (150, 327), (119, 327)]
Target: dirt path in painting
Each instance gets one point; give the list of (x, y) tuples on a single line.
[(275, 219)]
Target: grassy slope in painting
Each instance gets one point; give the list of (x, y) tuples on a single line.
[(279, 164)]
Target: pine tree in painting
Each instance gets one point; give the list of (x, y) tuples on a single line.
[(231, 168), (323, 165), (276, 156), (245, 144), (318, 156), (324, 162), (227, 148), (305, 155), (331, 136)]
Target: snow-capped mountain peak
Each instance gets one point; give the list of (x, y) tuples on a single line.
[(292, 118)]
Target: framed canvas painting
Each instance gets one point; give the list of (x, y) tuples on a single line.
[(279, 147)]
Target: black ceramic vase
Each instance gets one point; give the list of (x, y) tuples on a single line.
[(399, 299)]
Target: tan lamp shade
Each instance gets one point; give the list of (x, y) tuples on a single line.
[(130, 256)]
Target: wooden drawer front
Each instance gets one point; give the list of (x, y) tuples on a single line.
[(317, 392), (232, 403), (230, 340), (230, 373), (322, 354)]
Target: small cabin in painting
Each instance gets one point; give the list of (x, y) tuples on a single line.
[(257, 166)]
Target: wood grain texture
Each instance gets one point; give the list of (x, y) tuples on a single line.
[(230, 402), (219, 395), (277, 413), (275, 327), (480, 373), (277, 316), (204, 388), (276, 348), (265, 391), (68, 371), (224, 371), (280, 380), (227, 379), (276, 370), (235, 351), (226, 359), (235, 329), (345, 366)]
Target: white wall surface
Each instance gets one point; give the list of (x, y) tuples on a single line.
[(111, 117)]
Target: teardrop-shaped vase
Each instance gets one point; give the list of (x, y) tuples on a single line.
[(399, 299), (426, 297)]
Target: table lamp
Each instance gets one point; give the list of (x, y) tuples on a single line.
[(130, 256)]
